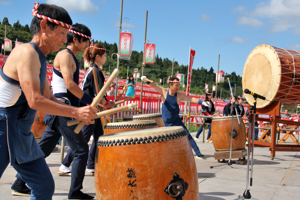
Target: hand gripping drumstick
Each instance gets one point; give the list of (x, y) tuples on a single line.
[(144, 78), (106, 112), (116, 103), (99, 96)]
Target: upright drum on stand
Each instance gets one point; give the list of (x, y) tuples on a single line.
[(155, 163), (128, 126), (273, 73), (154, 116)]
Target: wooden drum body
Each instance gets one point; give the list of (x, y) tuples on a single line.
[(221, 133), (273, 73), (128, 126), (155, 163), (155, 116), (38, 127)]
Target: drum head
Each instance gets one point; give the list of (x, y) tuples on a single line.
[(142, 136), (262, 74), (226, 118)]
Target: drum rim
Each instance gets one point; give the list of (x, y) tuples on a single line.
[(134, 137), (273, 57), (131, 124), (226, 117), (144, 116)]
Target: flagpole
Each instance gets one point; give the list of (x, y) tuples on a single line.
[(4, 41)]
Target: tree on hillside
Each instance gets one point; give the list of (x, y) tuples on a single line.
[(5, 21), (17, 26)]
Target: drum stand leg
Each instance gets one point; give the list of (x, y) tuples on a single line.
[(62, 149), (246, 194)]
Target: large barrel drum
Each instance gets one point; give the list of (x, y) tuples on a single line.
[(221, 133), (273, 73), (128, 126), (155, 163), (38, 127), (154, 116)]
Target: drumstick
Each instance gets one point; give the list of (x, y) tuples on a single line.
[(106, 112), (121, 94), (145, 79), (116, 103), (99, 96)]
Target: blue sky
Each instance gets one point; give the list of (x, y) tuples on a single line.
[(231, 28)]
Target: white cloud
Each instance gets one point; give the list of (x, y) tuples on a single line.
[(82, 6), (255, 23), (205, 18), (239, 9), (239, 40), (279, 15), (293, 47), (5, 2), (124, 25)]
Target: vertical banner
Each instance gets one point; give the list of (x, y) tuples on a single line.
[(214, 88), (191, 61), (219, 77), (7, 44), (18, 43), (149, 53), (125, 46)]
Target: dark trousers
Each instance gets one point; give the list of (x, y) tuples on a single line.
[(201, 129), (76, 142), (96, 130)]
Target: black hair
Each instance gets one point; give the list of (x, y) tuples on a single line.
[(172, 79), (52, 11), (206, 96), (129, 81), (81, 29)]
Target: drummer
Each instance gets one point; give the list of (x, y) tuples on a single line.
[(208, 108), (96, 55), (170, 107)]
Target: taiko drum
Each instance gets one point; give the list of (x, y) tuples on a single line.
[(154, 116), (221, 133), (155, 163), (38, 127), (273, 73), (128, 126)]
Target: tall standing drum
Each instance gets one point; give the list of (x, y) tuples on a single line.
[(128, 126), (273, 73), (221, 133), (155, 163), (155, 116)]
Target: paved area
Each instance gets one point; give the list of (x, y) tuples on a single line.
[(276, 179)]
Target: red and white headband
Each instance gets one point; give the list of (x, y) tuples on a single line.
[(81, 34), (34, 13)]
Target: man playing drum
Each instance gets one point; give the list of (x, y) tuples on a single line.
[(171, 99), (24, 89), (65, 89)]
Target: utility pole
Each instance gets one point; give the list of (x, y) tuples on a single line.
[(172, 67), (118, 59), (217, 79), (141, 97)]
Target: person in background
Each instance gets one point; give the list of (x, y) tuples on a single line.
[(229, 109), (208, 108), (112, 90), (286, 115), (240, 107), (130, 84)]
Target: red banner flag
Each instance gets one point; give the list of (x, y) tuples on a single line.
[(191, 61)]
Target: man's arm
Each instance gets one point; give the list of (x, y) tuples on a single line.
[(183, 97), (28, 70), (65, 61)]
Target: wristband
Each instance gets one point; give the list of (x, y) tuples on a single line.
[(147, 82), (86, 98), (200, 102)]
